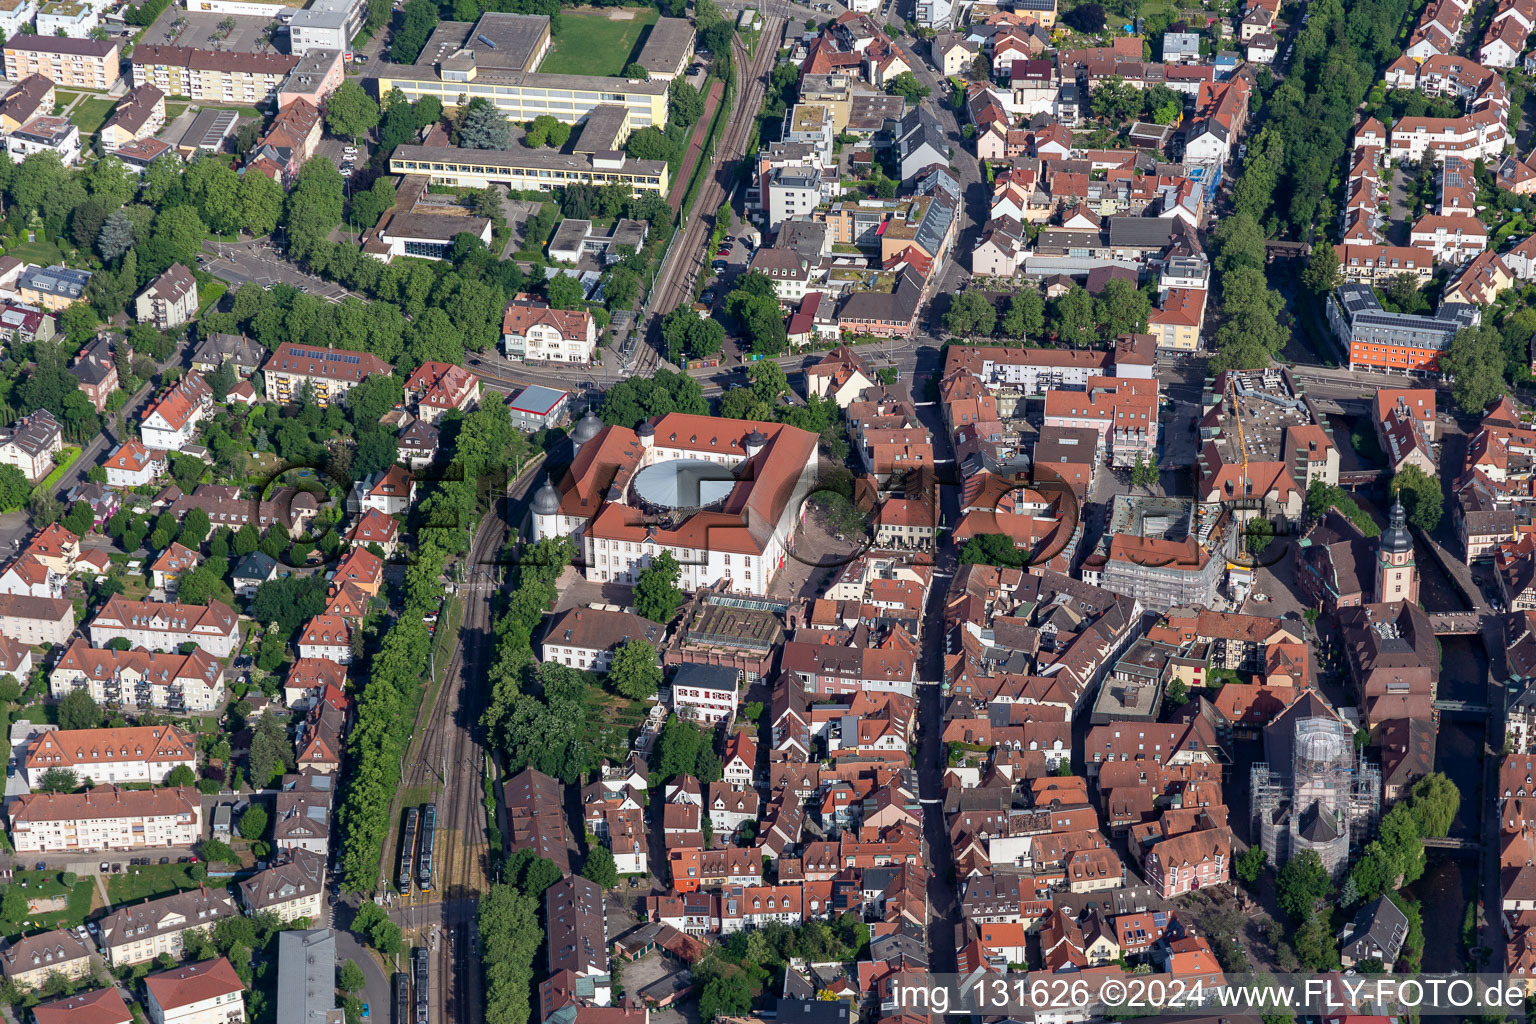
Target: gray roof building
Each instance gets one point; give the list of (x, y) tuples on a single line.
[(60, 281), (306, 977), (216, 349), (667, 47), (301, 874), (1377, 932)]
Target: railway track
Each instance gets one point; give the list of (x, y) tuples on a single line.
[(675, 283), (450, 761)]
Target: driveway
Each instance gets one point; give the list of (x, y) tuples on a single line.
[(376, 987)]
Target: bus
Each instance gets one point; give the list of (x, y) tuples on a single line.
[(428, 847), (408, 847)]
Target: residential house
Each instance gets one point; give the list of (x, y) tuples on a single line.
[(292, 888), (143, 931), (327, 373), (164, 626), (138, 115), (31, 443), (136, 754), (532, 330), (28, 962), (170, 422), (133, 465), (96, 370), (437, 389), (105, 818), (586, 638), (208, 992), (191, 683)]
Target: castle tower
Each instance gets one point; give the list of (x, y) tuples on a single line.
[(588, 427), (1396, 577)]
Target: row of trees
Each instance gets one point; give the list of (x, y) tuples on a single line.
[(525, 702), (483, 445), (1076, 318), (1339, 53), (508, 919), (1251, 331)]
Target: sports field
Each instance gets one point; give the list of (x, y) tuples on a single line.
[(598, 42)]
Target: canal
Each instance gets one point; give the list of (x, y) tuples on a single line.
[(1449, 885)]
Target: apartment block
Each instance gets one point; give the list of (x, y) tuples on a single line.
[(105, 818)]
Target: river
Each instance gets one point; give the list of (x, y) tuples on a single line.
[(1449, 884)]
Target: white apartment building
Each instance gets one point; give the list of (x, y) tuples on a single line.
[(171, 422), (586, 638), (36, 620), (45, 135), (164, 626), (134, 465), (67, 18), (105, 818), (30, 444), (145, 753), (532, 330), (1480, 135), (327, 638), (289, 890), (706, 694), (185, 683), (208, 992), (1451, 239), (14, 14), (27, 576), (169, 301)]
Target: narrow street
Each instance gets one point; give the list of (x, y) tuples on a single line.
[(943, 894)]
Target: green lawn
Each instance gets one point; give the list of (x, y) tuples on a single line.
[(42, 252), (592, 43), (612, 721), (47, 883), (209, 294), (69, 455), (91, 114), (174, 110), (155, 880)]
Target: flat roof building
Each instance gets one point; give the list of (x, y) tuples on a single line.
[(667, 49), (306, 977), (497, 59), (208, 131), (537, 407), (528, 169)]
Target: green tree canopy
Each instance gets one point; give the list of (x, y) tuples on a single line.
[(635, 670)]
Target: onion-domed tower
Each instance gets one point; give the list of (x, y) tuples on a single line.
[(1396, 577), (588, 427)]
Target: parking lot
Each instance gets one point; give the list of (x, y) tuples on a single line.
[(258, 262), (180, 27), (725, 269), (335, 150)]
